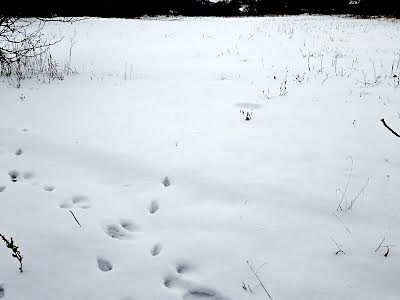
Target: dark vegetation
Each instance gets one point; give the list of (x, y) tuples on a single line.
[(15, 251), (136, 8)]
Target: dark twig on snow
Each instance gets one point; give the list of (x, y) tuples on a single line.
[(390, 129), (75, 218)]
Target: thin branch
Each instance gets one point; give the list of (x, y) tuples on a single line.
[(259, 280), (390, 129), (75, 218)]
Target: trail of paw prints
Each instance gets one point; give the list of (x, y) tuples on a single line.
[(121, 231), (26, 176), (190, 289), (16, 176), (78, 201)]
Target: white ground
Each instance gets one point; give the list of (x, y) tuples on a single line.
[(163, 98)]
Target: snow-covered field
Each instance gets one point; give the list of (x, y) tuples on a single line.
[(160, 101)]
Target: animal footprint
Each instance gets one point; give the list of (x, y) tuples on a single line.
[(104, 264), (200, 293), (2, 188), (156, 249), (49, 188), (14, 174), (182, 268), (121, 231), (191, 290), (170, 282), (128, 225), (28, 175), (154, 207), (79, 201), (2, 291), (166, 182), (18, 152)]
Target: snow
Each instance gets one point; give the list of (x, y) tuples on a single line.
[(175, 191)]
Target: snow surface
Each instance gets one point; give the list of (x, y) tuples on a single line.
[(148, 146)]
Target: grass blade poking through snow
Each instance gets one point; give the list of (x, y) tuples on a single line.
[(255, 273)]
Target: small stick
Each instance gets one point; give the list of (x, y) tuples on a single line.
[(390, 129), (75, 218), (259, 280)]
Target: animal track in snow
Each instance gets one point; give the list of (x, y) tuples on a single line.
[(49, 188), (156, 249), (2, 291), (116, 232), (121, 231), (79, 201), (14, 175), (104, 264), (154, 207), (182, 268), (166, 182), (18, 152), (170, 282), (28, 175), (128, 225), (200, 293), (191, 290), (2, 188)]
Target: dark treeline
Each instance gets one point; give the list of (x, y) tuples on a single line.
[(137, 8)]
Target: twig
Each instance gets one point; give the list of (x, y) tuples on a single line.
[(259, 280), (390, 129), (75, 218)]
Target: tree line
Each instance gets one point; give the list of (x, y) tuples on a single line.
[(137, 8)]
